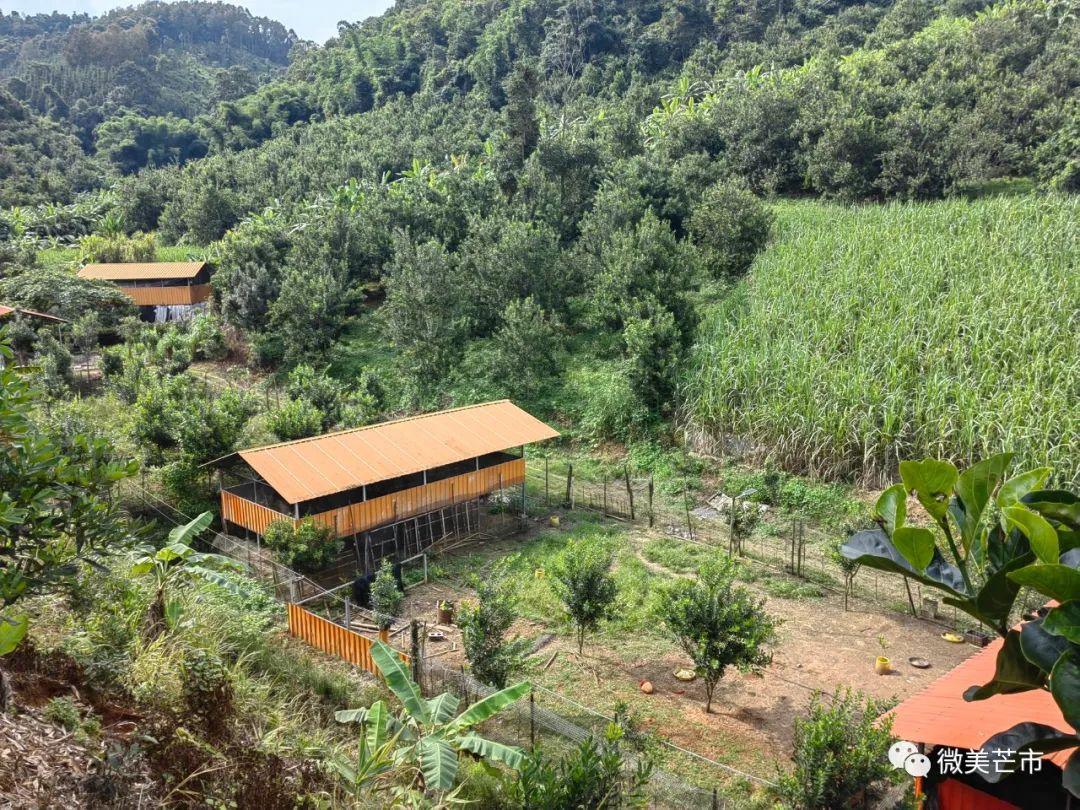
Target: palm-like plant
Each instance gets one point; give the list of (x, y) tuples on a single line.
[(177, 561), (430, 733)]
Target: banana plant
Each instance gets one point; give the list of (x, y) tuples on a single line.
[(1000, 534), (177, 561), (430, 732), (376, 756)]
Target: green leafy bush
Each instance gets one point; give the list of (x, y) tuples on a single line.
[(206, 687), (296, 419), (840, 752), (731, 226), (493, 657), (306, 547), (581, 577), (386, 599)]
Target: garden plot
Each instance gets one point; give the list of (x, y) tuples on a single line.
[(819, 646)]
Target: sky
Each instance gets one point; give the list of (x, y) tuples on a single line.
[(311, 19)]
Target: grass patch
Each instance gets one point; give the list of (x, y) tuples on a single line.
[(676, 555)]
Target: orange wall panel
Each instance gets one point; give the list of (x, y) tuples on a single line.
[(161, 296)]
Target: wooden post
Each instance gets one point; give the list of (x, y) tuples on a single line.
[(911, 601), (545, 480), (731, 526), (650, 502), (603, 512), (629, 490), (570, 485), (686, 504), (414, 650), (793, 545), (532, 719)]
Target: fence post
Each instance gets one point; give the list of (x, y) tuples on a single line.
[(603, 512), (686, 504), (414, 650), (546, 479), (629, 490), (650, 502), (348, 614), (715, 800), (570, 485), (532, 719)]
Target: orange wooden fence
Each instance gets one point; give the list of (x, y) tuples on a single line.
[(332, 638), (247, 513)]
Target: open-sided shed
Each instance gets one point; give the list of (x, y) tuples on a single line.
[(155, 284), (358, 480)]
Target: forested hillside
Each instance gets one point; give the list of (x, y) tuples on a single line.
[(126, 85), (547, 200)]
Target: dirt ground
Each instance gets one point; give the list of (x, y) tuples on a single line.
[(819, 647)]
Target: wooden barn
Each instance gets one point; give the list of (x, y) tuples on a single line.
[(366, 483), (161, 290)]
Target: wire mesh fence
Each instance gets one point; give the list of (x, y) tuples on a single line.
[(787, 544), (557, 725)]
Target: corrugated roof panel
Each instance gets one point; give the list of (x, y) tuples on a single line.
[(324, 465), (939, 715), (141, 271), (6, 310)]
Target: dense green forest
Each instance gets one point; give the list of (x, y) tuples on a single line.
[(125, 86), (557, 202)]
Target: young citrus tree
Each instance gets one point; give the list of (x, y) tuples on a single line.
[(493, 657), (386, 598), (582, 578), (717, 623)]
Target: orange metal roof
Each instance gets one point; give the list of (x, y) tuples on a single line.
[(325, 465), (142, 271), (939, 715), (6, 310)]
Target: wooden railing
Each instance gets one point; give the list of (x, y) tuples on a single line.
[(248, 514), (161, 296), (360, 517), (332, 638)]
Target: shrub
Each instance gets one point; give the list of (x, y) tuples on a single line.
[(729, 225), (494, 659), (592, 776), (581, 578), (173, 353), (206, 687), (296, 419), (840, 751), (305, 547), (386, 599)]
